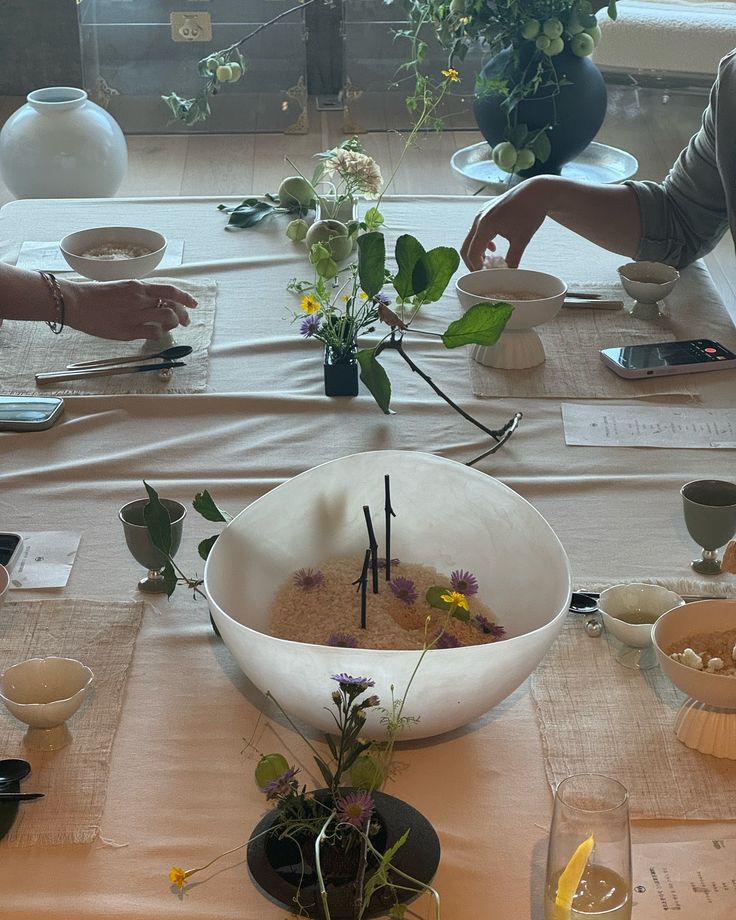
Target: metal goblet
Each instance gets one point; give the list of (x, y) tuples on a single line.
[(140, 545), (710, 518)]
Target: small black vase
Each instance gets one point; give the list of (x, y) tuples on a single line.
[(341, 372), (284, 870), (577, 110)]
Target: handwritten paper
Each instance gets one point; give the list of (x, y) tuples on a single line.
[(694, 878), (648, 426), (45, 560)]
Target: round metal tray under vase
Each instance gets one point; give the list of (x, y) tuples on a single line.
[(598, 163)]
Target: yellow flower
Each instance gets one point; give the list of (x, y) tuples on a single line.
[(452, 75), (363, 295), (309, 304), (345, 298), (177, 876), (456, 599)]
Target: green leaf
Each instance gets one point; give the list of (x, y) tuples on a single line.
[(244, 217), (157, 521), (325, 771), (408, 252), (205, 505), (170, 579), (380, 876), (441, 264), (612, 11), (371, 262), (482, 324), (434, 597), (373, 219), (542, 147), (518, 135), (375, 378), (205, 547)]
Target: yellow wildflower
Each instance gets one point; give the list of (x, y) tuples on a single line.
[(309, 304), (177, 876), (456, 599), (363, 295), (452, 75)]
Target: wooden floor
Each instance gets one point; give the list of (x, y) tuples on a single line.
[(638, 120)]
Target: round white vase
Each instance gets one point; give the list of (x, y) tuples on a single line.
[(61, 145)]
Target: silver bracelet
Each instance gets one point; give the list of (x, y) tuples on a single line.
[(53, 285)]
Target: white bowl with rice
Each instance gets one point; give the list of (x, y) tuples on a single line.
[(113, 253), (447, 516), (537, 297)]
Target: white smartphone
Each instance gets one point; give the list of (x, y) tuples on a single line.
[(29, 413), (10, 547), (688, 357)]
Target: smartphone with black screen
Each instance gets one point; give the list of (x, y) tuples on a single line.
[(29, 413), (687, 357), (10, 547)]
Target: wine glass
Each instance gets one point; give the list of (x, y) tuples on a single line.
[(589, 854), (710, 518), (141, 546)]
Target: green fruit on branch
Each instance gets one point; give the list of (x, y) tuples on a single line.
[(270, 767), (297, 230), (212, 64), (504, 156), (524, 159), (595, 34), (334, 235), (543, 42), (366, 774), (582, 45), (556, 45), (457, 7), (236, 72), (224, 73), (295, 192), (552, 28), (531, 29)]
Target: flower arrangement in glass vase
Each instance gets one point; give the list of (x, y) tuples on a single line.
[(538, 51), (346, 851)]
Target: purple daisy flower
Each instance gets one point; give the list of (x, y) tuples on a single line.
[(342, 640), (281, 786), (382, 298), (356, 809), (487, 627), (346, 681), (404, 589), (447, 640), (382, 562), (308, 578), (309, 325), (464, 582)]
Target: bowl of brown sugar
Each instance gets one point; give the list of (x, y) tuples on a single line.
[(113, 253)]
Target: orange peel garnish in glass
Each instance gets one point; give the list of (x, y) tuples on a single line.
[(570, 877)]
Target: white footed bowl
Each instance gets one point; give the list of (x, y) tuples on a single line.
[(620, 602), (519, 345), (648, 282), (707, 720), (43, 693), (74, 244), (448, 516), (4, 584)]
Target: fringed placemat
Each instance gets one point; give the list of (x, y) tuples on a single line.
[(29, 348), (74, 779), (596, 716), (573, 369)]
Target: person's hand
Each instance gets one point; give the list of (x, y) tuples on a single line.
[(125, 310), (515, 216)]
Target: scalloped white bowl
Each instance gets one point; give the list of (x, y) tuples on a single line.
[(519, 345), (448, 516)]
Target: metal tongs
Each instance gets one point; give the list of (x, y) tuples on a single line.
[(128, 364), (579, 300)]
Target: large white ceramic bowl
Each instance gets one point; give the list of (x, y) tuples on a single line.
[(448, 516), (707, 719), (4, 584), (75, 245), (519, 345), (43, 693)]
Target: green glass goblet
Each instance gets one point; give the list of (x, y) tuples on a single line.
[(139, 541), (710, 518)]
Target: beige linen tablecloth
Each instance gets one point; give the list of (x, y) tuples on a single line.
[(181, 784)]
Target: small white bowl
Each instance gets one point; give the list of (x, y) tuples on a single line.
[(43, 693), (648, 282), (707, 720), (519, 345), (74, 245), (629, 612)]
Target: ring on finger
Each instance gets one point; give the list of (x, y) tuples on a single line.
[(162, 304)]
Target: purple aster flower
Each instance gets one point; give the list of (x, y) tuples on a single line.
[(356, 809), (382, 299), (447, 640), (342, 640), (404, 589), (382, 562), (281, 786), (487, 627), (308, 578), (346, 681), (464, 582), (309, 325)]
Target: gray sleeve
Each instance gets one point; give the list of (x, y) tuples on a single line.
[(684, 217)]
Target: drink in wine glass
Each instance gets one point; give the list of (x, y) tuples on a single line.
[(710, 517), (589, 855)]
